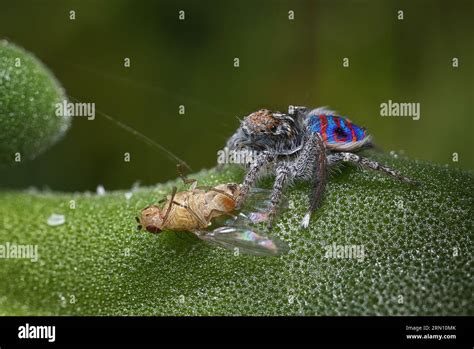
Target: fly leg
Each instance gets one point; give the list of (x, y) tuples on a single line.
[(185, 205), (204, 223), (209, 188), (370, 164), (185, 180), (165, 217), (252, 175)]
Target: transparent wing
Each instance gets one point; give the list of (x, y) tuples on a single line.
[(255, 210), (246, 240), (246, 219), (257, 205), (261, 198)]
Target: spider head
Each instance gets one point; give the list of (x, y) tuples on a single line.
[(151, 219), (267, 130)]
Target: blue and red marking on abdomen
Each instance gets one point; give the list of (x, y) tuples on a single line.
[(336, 129)]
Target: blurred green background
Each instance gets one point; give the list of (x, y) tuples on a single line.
[(282, 62)]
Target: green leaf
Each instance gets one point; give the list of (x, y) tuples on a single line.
[(28, 95), (417, 252)]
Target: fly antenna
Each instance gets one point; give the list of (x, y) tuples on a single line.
[(150, 142), (182, 175)]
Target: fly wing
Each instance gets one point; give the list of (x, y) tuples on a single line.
[(257, 205), (260, 198), (245, 219), (255, 210), (246, 240)]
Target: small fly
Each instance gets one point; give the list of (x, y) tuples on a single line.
[(196, 209)]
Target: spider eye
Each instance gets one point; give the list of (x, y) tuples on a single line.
[(274, 128)]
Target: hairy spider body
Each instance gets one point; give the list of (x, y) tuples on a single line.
[(300, 146)]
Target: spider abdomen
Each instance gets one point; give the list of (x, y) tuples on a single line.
[(338, 133)]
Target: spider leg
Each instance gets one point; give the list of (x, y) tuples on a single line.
[(314, 159), (282, 174), (370, 164), (252, 175)]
